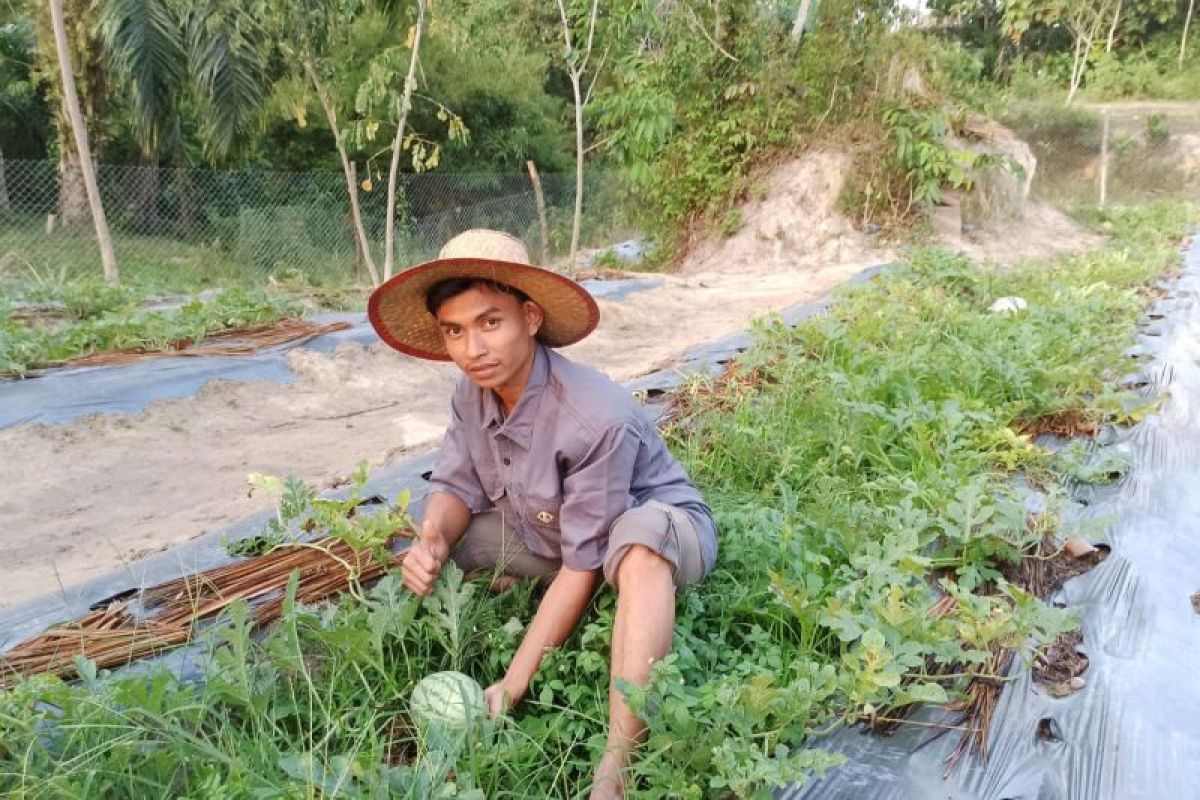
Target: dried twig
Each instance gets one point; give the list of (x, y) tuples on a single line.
[(243, 341), (171, 613)]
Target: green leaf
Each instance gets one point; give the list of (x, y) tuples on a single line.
[(927, 693), (874, 640)]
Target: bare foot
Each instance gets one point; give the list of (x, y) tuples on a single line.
[(609, 780)]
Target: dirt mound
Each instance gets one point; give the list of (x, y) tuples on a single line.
[(795, 225), (980, 222), (1044, 232)]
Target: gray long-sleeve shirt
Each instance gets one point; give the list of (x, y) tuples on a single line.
[(576, 452)]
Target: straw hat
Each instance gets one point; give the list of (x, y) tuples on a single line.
[(397, 308)]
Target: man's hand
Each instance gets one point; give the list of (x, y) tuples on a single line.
[(424, 559), (502, 696), (561, 607)]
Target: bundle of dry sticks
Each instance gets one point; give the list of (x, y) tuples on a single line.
[(233, 342), (170, 614)]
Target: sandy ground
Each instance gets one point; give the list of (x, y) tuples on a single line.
[(81, 499)]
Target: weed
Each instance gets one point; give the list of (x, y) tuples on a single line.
[(731, 222), (1157, 131), (607, 259), (300, 512)]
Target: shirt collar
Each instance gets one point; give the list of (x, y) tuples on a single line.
[(518, 427)]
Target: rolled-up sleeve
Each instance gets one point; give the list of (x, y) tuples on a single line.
[(595, 493), (455, 471)]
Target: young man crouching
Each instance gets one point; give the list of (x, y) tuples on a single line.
[(548, 468)]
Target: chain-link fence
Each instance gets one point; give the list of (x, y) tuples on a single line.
[(180, 229), (1122, 154)]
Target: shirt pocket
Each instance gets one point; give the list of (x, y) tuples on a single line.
[(541, 513)]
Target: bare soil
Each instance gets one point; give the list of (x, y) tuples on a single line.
[(80, 499), (1057, 668), (1041, 231)]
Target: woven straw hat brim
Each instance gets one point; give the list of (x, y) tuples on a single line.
[(397, 308)]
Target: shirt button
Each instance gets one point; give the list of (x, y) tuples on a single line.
[(507, 462)]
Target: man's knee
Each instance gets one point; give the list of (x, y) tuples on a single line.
[(639, 562)]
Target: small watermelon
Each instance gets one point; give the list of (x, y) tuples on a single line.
[(447, 699)]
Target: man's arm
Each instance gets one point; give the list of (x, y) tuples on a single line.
[(446, 518), (456, 493), (594, 493), (563, 604)]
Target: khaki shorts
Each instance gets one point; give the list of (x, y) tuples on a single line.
[(490, 544)]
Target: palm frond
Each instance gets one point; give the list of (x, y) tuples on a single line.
[(143, 44), (227, 49)]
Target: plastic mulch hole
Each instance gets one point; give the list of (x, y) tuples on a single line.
[(114, 598), (1048, 731)]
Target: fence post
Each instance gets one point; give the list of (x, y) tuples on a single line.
[(5, 205), (540, 200), (1104, 159), (70, 97)]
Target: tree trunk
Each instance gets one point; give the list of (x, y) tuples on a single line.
[(578, 220), (1112, 29), (576, 67), (72, 192), (410, 82), (1086, 30), (801, 22), (358, 253), (90, 92), (1187, 23), (1076, 75), (5, 204), (540, 200), (1083, 48), (71, 100), (347, 170)]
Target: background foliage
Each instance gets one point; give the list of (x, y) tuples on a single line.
[(700, 92)]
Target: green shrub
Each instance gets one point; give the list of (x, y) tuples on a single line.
[(690, 122), (1114, 77), (1157, 132)]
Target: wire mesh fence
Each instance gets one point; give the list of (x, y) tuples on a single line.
[(1124, 154), (179, 229)]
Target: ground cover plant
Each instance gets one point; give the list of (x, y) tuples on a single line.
[(50, 324), (861, 468)]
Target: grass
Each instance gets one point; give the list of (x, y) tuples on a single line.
[(156, 264), (1148, 71), (860, 467)]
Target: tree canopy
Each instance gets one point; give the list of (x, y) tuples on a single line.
[(696, 90)]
